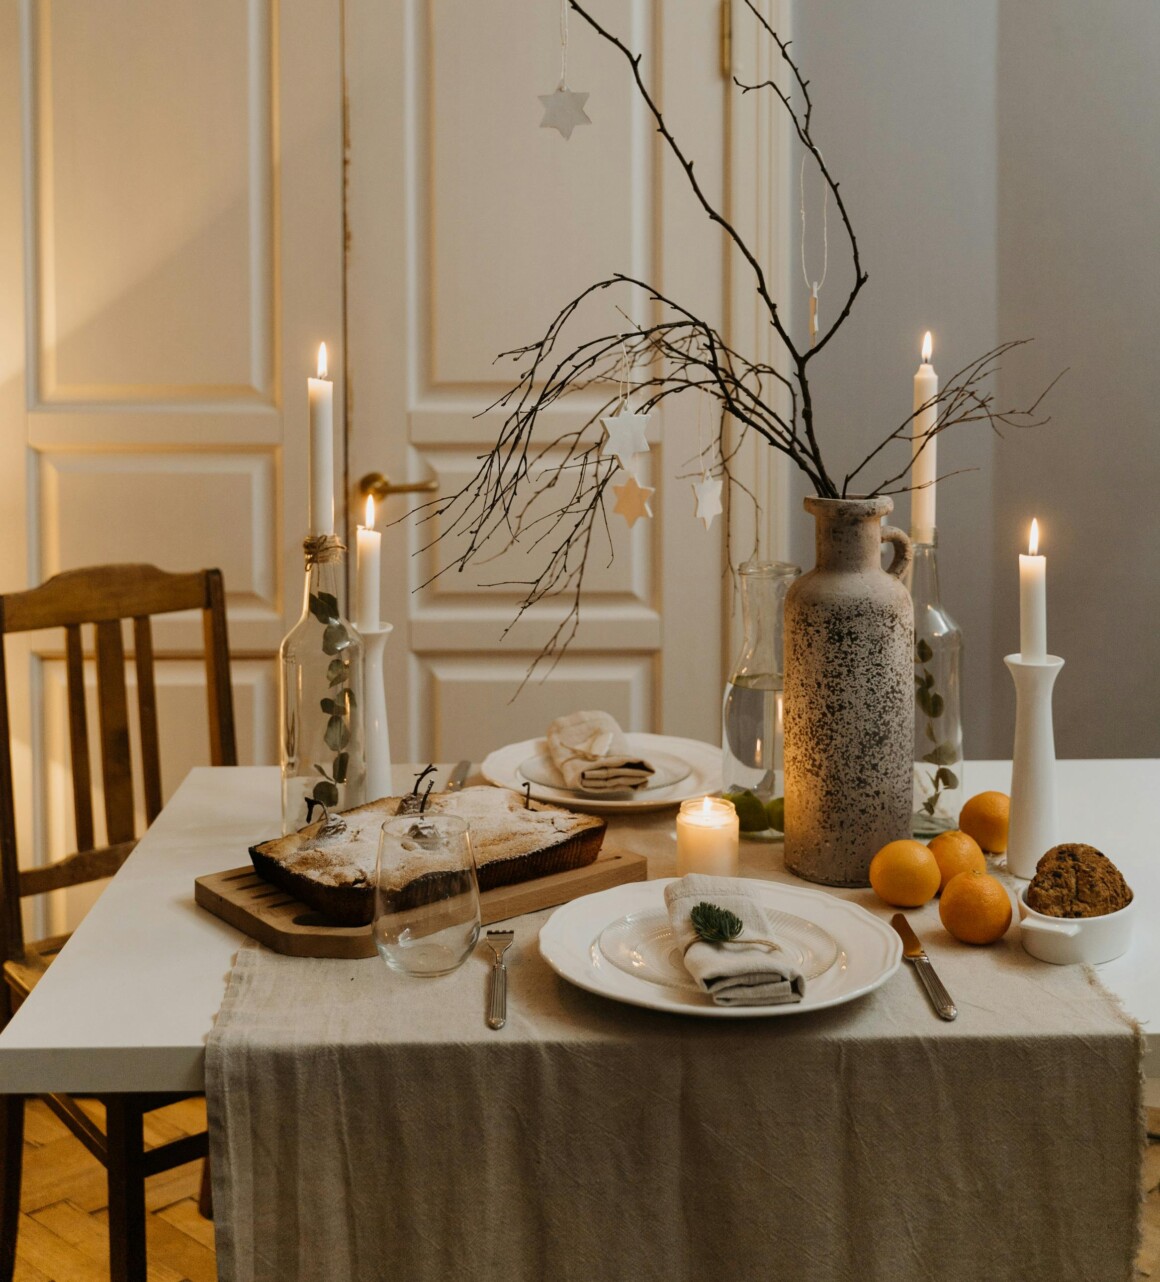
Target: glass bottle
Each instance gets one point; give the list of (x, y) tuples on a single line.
[(752, 723), (320, 665), (938, 727)]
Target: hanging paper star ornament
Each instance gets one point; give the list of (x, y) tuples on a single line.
[(563, 110), (626, 435), (708, 492), (632, 500)]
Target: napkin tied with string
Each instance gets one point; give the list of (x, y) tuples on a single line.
[(736, 973), (591, 753)]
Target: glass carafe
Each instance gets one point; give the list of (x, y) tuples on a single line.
[(938, 730), (752, 722), (321, 697)]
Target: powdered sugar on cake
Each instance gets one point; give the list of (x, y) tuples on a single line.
[(500, 827)]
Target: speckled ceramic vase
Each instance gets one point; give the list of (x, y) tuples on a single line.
[(849, 696)]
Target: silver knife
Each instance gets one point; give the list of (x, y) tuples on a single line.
[(458, 776), (913, 951)]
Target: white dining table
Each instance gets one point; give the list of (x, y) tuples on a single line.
[(129, 1003), (317, 1070)]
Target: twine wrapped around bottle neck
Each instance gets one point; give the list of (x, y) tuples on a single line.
[(321, 549)]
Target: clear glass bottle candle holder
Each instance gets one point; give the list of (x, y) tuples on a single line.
[(320, 664), (938, 727)]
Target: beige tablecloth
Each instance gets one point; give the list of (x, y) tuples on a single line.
[(368, 1126)]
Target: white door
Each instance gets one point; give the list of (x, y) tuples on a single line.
[(171, 255), (469, 228)]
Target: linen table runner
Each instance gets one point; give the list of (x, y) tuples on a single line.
[(365, 1125)]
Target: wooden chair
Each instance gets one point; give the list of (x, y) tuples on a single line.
[(102, 596)]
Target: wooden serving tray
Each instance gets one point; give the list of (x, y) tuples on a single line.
[(272, 917)]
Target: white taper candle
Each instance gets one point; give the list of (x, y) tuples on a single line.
[(924, 449), (320, 395), (369, 568), (1033, 601)]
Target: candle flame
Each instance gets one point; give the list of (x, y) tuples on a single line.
[(927, 348), (370, 511), (321, 360), (1033, 545), (706, 806)]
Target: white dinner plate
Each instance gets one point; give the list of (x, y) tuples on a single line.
[(502, 767), (869, 952)]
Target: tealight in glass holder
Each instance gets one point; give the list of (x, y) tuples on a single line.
[(708, 837)]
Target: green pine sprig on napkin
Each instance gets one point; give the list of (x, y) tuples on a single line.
[(716, 925)]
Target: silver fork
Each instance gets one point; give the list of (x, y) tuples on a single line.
[(499, 941)]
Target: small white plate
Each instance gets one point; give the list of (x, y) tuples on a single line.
[(869, 952), (502, 767), (667, 770), (644, 944)]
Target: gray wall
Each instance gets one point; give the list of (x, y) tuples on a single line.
[(1001, 163)]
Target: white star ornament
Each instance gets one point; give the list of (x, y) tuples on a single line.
[(626, 435), (632, 500), (563, 110), (708, 492)]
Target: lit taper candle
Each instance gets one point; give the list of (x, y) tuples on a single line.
[(369, 552), (1033, 601), (320, 395), (925, 449)]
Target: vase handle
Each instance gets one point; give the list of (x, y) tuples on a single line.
[(903, 550)]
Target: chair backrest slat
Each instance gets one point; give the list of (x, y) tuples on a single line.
[(104, 596), (11, 924), (113, 716), (104, 592), (147, 716), (222, 736), (78, 736)]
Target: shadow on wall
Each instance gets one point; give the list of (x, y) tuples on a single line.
[(1079, 267), (1001, 168)]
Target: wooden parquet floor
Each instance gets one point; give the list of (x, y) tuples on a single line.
[(64, 1233)]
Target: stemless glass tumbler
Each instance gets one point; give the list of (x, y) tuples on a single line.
[(426, 894)]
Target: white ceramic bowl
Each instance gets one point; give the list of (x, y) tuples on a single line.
[(1063, 940)]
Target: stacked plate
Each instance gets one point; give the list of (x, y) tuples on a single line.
[(618, 943), (684, 768)]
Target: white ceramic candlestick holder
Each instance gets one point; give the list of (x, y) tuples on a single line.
[(1031, 832), (375, 712)]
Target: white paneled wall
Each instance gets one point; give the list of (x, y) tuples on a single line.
[(471, 228), (180, 232)]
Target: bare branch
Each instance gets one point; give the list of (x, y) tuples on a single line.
[(542, 492), (687, 166)]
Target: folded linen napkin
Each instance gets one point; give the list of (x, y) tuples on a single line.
[(591, 753), (735, 973)]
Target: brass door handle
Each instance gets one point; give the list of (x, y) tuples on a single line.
[(380, 486)]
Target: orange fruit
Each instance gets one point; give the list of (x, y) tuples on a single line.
[(975, 908), (905, 874), (985, 818), (955, 852)]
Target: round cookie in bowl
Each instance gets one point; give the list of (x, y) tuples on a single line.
[(1077, 907)]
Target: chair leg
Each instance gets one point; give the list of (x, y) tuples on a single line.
[(204, 1194), (126, 1172), (12, 1146)]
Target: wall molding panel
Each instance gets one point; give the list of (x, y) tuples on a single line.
[(144, 288)]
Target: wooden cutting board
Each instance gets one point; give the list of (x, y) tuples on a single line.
[(272, 917)]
